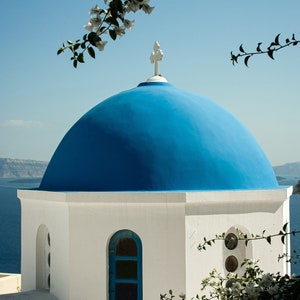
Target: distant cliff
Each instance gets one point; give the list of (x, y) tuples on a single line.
[(289, 169), (25, 168), (21, 168)]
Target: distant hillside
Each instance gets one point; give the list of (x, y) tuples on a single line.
[(21, 168), (25, 168), (289, 169)]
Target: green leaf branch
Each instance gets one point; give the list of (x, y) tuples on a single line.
[(273, 47), (254, 283), (282, 234), (111, 20)]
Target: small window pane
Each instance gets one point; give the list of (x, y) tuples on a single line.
[(126, 269), (126, 291), (126, 247)]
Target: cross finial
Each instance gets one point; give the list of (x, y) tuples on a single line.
[(156, 56)]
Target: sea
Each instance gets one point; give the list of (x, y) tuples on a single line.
[(10, 222)]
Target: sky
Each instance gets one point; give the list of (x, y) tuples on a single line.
[(42, 95)]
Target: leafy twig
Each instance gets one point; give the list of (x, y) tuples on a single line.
[(244, 237), (274, 46), (111, 20)]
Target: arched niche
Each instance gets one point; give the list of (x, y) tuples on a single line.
[(43, 258)]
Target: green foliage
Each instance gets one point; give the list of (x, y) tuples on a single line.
[(104, 21), (274, 46), (170, 295), (253, 284)]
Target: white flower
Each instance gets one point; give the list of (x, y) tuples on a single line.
[(100, 45), (128, 24), (147, 8), (96, 22), (252, 291), (89, 26), (236, 288), (266, 280), (133, 7), (273, 290), (95, 10), (120, 31)]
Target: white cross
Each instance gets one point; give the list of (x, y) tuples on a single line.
[(156, 56)]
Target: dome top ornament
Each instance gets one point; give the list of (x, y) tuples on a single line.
[(156, 56)]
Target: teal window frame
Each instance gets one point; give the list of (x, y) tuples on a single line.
[(133, 259)]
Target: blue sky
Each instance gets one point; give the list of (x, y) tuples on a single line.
[(42, 95)]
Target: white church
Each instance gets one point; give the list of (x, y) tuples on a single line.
[(133, 188)]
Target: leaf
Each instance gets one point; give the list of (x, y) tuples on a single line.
[(91, 52), (287, 41), (93, 38), (59, 51), (258, 47), (75, 63), (234, 58), (272, 45), (112, 34), (270, 53), (76, 46), (80, 58), (276, 40), (246, 60), (102, 29), (120, 6), (282, 239), (269, 239), (241, 48), (115, 7), (69, 42), (113, 21), (285, 227)]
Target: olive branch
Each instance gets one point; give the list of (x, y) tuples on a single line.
[(283, 233), (273, 47)]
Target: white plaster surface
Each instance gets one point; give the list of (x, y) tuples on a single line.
[(169, 224), (9, 283)]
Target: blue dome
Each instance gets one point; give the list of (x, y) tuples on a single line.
[(157, 137)]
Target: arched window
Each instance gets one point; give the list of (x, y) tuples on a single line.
[(125, 266)]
